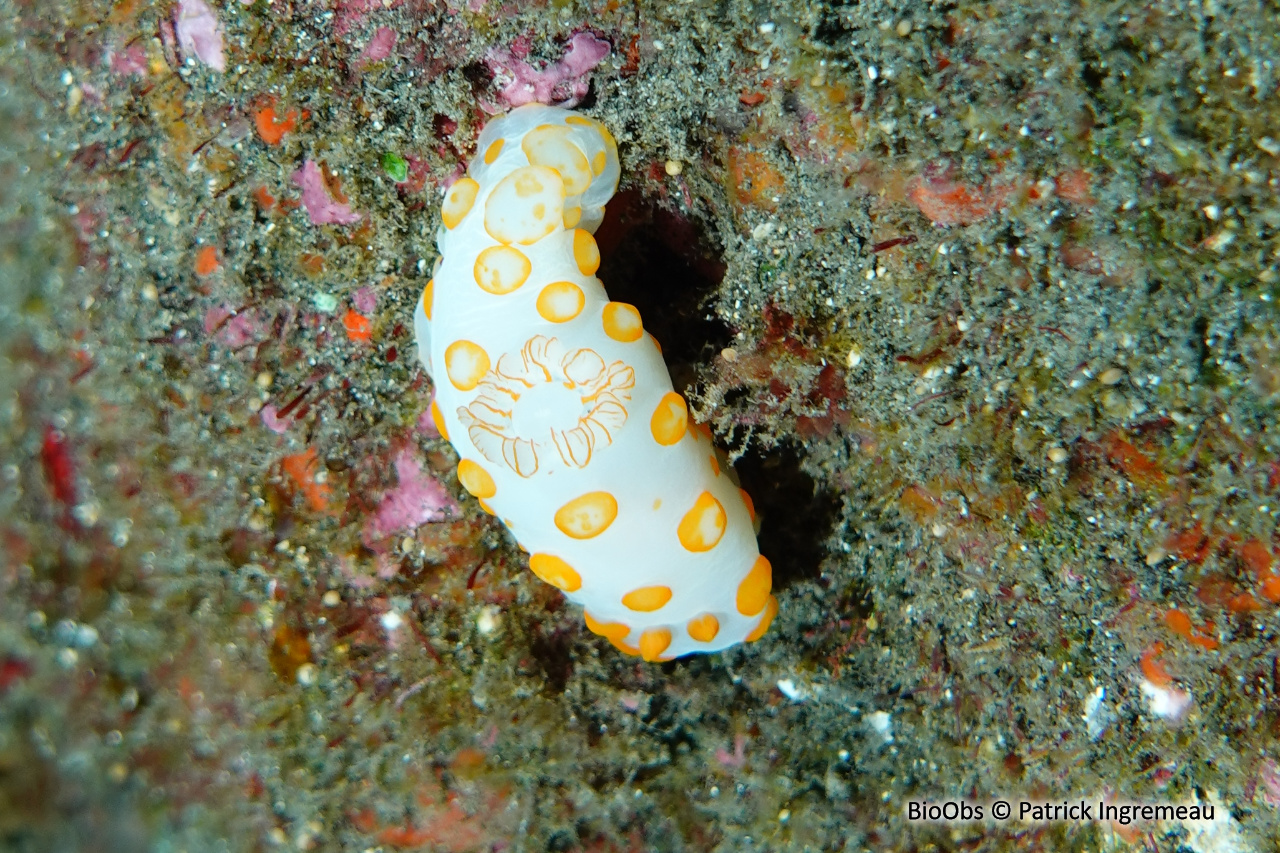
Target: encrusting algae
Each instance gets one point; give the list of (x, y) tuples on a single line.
[(982, 306)]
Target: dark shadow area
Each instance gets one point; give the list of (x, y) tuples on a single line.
[(796, 516), (668, 267)]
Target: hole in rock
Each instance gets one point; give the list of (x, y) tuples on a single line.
[(668, 266)]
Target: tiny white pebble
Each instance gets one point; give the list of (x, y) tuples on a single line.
[(1111, 376), (487, 620), (674, 167), (332, 598), (307, 674)]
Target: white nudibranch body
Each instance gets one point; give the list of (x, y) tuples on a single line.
[(561, 408)]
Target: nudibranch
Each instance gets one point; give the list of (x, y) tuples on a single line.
[(562, 411)]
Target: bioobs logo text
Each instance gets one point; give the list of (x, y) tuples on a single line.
[(949, 811)]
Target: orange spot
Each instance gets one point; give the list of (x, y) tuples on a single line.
[(466, 758), (702, 527), (552, 146), (302, 468), (624, 648), (556, 572), (752, 99), (770, 611), (653, 642), (206, 261), (756, 183), (647, 599), (1135, 465), (458, 202), (587, 516), (612, 630), (437, 418), (1270, 589), (560, 302), (358, 327), (428, 297), (715, 465), (1074, 187), (746, 499), (476, 480), (1256, 556), (501, 269), (311, 263), (1178, 622), (466, 363), (947, 202), (265, 200), (1152, 669), (491, 153), (1243, 603), (586, 254), (919, 503), (669, 419), (753, 592), (484, 506), (272, 127), (1191, 544), (572, 216), (622, 322), (365, 820), (703, 628)]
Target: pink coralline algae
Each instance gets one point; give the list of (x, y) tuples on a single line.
[(416, 499), (365, 300), (564, 83), (378, 48), (129, 60), (232, 329), (322, 209), (271, 419), (196, 26)]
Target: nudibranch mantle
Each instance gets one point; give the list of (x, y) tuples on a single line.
[(562, 411)]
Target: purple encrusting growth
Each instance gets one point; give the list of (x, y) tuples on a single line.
[(563, 83), (196, 26), (417, 498), (319, 205)]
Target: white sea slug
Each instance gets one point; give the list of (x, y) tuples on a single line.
[(561, 408)]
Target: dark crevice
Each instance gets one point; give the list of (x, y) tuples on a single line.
[(796, 515), (669, 268)]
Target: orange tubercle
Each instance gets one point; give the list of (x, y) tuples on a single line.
[(272, 127), (1152, 669), (358, 327), (207, 261)]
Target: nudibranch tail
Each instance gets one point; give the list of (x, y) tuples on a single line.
[(562, 411)]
